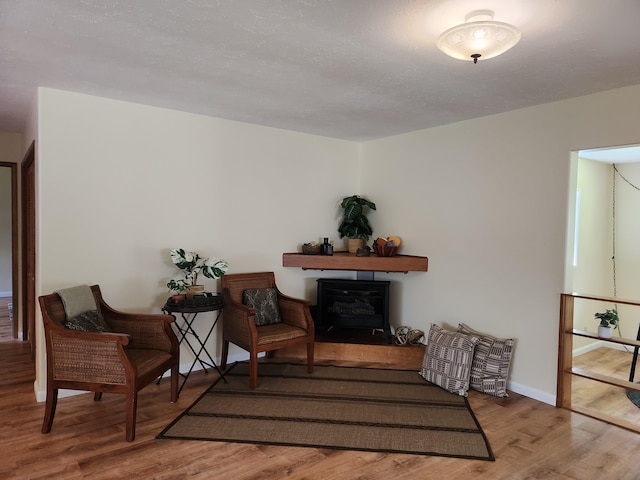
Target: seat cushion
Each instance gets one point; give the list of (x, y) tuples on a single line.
[(491, 361), (447, 359), (279, 332), (147, 361), (265, 302)]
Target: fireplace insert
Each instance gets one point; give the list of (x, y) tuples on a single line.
[(353, 304)]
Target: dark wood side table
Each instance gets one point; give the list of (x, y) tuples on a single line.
[(186, 333)]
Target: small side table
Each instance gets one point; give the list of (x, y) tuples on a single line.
[(188, 335)]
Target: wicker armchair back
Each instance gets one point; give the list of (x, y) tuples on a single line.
[(239, 327)]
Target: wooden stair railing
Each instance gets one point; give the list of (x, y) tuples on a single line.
[(566, 371)]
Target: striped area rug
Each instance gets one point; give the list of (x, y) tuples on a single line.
[(349, 408)]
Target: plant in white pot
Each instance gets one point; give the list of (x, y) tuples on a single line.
[(355, 225), (191, 263), (609, 320)]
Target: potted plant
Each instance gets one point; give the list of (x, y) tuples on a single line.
[(608, 321), (179, 286), (191, 263), (355, 225)]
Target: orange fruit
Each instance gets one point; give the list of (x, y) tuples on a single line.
[(395, 239)]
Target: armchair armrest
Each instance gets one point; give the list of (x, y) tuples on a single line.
[(295, 311), (147, 331), (238, 322), (88, 357)]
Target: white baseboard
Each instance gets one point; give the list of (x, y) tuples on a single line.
[(6, 294), (532, 393), (599, 344)]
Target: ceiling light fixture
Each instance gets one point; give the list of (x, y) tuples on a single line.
[(479, 37)]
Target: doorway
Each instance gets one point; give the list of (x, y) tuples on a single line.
[(602, 261), (8, 250)]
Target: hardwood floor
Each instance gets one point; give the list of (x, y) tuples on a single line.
[(607, 399), (6, 326), (530, 440)]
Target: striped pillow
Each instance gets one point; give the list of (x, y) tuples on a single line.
[(491, 361), (447, 359)]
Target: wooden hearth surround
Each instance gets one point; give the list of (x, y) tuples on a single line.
[(349, 261)]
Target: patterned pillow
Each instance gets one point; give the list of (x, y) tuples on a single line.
[(491, 361), (265, 301), (89, 321), (447, 359)]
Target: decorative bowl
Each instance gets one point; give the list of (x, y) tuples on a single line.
[(311, 248), (384, 251)]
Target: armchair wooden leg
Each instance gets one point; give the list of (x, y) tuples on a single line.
[(225, 354), (253, 370), (132, 404), (97, 396), (310, 357), (50, 409)]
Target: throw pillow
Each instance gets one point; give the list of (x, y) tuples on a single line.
[(89, 321), (447, 359), (265, 301), (491, 361)]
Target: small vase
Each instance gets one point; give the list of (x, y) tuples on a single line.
[(354, 244), (604, 332), (192, 290)]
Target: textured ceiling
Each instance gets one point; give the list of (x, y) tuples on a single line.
[(352, 69)]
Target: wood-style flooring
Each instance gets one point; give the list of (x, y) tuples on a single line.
[(6, 326), (530, 440)]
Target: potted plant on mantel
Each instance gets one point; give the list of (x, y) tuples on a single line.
[(191, 263), (355, 225), (608, 321)]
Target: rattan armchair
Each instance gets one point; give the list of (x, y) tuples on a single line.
[(143, 348), (239, 328)]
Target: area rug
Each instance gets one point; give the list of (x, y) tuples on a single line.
[(634, 396), (366, 409)]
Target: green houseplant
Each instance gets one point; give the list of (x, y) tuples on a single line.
[(178, 286), (191, 263), (355, 225), (609, 320)]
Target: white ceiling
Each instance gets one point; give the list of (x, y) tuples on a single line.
[(352, 69), (626, 154)]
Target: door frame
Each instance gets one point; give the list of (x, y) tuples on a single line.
[(28, 259)]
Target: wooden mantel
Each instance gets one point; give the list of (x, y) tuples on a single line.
[(349, 261)]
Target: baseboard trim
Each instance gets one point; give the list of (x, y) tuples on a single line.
[(534, 393)]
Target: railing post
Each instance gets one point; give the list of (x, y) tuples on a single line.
[(565, 351)]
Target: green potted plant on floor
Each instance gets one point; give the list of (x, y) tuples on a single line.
[(609, 320), (355, 225)]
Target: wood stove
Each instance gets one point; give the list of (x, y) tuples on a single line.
[(353, 304)]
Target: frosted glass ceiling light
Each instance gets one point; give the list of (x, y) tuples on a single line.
[(479, 38)]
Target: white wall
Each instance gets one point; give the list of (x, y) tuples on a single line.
[(592, 274), (486, 200), (120, 184), (627, 241), (10, 151)]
